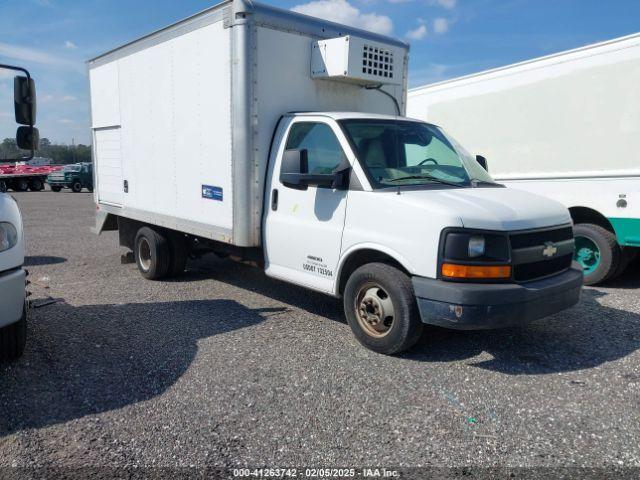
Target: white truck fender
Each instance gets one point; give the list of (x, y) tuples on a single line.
[(367, 246)]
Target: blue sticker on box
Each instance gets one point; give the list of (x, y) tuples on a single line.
[(212, 193)]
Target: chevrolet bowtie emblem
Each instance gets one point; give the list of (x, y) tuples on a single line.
[(550, 249)]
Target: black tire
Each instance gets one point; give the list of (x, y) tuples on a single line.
[(152, 254), (21, 185), (13, 338), (3, 186), (390, 284), (626, 257), (179, 252), (36, 185), (76, 186), (55, 188), (90, 189), (610, 251)]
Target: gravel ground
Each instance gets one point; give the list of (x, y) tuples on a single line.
[(225, 367)]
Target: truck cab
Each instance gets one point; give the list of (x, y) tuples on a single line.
[(394, 215), (74, 177), (13, 298), (13, 311)]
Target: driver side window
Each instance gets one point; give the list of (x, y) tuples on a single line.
[(324, 151)]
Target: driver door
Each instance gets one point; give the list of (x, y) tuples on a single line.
[(303, 226)]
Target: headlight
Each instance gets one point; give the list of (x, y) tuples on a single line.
[(476, 246), (8, 236)]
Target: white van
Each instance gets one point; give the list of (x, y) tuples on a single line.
[(278, 139)]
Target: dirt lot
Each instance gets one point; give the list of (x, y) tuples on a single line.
[(225, 367)]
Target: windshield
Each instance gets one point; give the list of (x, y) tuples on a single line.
[(396, 153), (71, 168)]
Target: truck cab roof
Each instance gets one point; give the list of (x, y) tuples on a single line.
[(353, 116)]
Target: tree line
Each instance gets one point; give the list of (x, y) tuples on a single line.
[(60, 154)]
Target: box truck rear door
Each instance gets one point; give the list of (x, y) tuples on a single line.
[(303, 225)]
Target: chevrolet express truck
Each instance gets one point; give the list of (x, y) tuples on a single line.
[(13, 298), (278, 139), (566, 126)]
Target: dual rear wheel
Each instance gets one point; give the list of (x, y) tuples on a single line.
[(160, 253)]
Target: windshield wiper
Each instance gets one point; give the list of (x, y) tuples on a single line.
[(427, 177), (477, 181)]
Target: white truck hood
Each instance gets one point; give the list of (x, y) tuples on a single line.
[(492, 208), (14, 257)]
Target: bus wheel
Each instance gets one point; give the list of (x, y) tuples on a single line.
[(597, 251)]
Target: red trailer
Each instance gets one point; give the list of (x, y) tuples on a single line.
[(21, 178)]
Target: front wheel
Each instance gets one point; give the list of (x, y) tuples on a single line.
[(76, 186), (597, 251), (381, 309), (13, 338)]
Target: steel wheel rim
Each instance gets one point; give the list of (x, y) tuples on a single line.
[(374, 310), (144, 254), (587, 254)]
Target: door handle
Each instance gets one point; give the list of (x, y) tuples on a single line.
[(274, 199)]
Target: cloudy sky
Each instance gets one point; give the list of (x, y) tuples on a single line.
[(449, 38)]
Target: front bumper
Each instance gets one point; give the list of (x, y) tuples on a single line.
[(12, 296), (477, 306), (59, 182)]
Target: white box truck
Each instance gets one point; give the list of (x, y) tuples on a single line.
[(566, 126), (278, 138)]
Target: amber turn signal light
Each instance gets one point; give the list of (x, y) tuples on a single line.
[(476, 271)]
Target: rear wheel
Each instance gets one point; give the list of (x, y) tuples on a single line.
[(381, 309), (152, 254), (597, 251), (13, 338), (76, 186), (36, 185), (55, 188), (21, 185)]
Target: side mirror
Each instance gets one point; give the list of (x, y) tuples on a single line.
[(28, 138), (24, 98), (294, 164), (483, 162), (294, 171)]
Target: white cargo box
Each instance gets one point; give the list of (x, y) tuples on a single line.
[(182, 119)]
